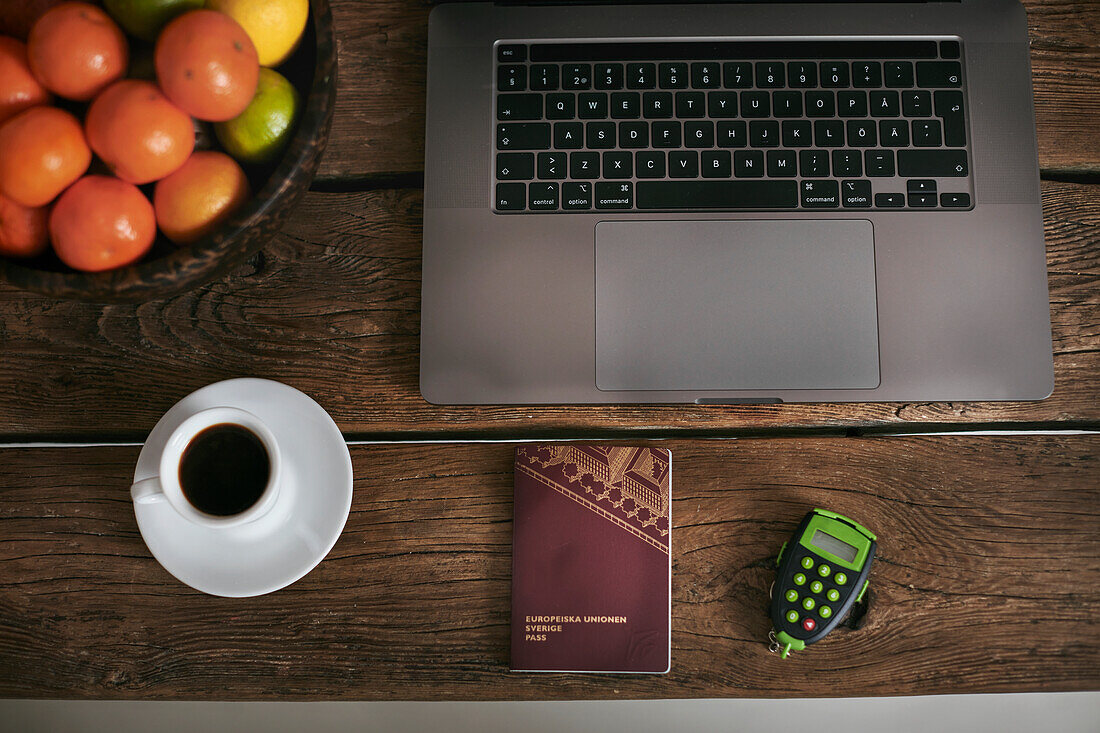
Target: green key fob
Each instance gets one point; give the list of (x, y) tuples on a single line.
[(822, 572)]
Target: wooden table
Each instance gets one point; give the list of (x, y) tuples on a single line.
[(988, 577)]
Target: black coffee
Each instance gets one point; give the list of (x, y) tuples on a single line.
[(224, 469)]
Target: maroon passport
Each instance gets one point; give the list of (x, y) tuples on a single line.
[(591, 560)]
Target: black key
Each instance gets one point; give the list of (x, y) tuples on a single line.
[(950, 49), (755, 104), (851, 104), (617, 195), (657, 104), (782, 163), (927, 133), (706, 75), (511, 54), (626, 105), (641, 76), (607, 76), (511, 78), (523, 136), (862, 134), (764, 134), (715, 164), (600, 134), (561, 106), (955, 200), (544, 77), (650, 164), (922, 200), (666, 134), (748, 164), (633, 134), (797, 134), (737, 74), (519, 107), (879, 162), (802, 74), (847, 163), (732, 134), (834, 73), (568, 135), (866, 74), (820, 104), (855, 194), (618, 164), (932, 163), (820, 194), (916, 104), (949, 108), (769, 74), (515, 166), (673, 76), (691, 104), (717, 195), (813, 163), (699, 134), (829, 133), (899, 73), (787, 104), (542, 197), (683, 164), (938, 74), (511, 196), (592, 106), (552, 165), (584, 165), (576, 195), (722, 104), (576, 76), (920, 185), (893, 133), (884, 104), (889, 200)]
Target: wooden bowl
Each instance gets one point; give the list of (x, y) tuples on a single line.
[(168, 269)]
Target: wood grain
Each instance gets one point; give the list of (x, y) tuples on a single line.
[(987, 578), (379, 124), (332, 307)]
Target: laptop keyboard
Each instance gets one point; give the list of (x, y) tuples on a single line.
[(730, 126)]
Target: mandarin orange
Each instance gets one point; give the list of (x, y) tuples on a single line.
[(22, 229), (101, 223), (18, 87), (196, 199), (42, 151), (76, 50)]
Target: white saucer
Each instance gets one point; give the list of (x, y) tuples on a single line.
[(287, 542)]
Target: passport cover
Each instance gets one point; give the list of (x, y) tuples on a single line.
[(591, 560)]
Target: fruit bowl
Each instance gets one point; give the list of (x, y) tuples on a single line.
[(168, 269)]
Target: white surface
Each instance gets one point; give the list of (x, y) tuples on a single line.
[(288, 541), (1070, 712)]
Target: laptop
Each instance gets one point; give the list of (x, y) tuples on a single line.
[(732, 203)]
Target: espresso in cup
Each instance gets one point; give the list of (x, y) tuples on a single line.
[(224, 469)]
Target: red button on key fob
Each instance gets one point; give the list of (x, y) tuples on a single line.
[(809, 624)]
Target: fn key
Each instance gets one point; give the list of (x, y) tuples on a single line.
[(511, 196)]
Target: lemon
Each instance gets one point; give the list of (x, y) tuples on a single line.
[(275, 26), (145, 18), (260, 133)]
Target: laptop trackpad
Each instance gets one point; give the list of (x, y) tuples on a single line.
[(736, 305)]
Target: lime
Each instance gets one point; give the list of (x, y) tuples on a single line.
[(275, 26), (145, 18), (261, 132)]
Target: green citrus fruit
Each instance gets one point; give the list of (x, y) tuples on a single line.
[(145, 18), (260, 133)]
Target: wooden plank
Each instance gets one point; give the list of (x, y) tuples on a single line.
[(378, 128), (987, 578), (332, 307)]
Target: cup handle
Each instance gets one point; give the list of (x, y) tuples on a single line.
[(147, 491)]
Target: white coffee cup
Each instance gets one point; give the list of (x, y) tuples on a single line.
[(166, 486)]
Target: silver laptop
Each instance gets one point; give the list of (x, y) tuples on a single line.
[(732, 203)]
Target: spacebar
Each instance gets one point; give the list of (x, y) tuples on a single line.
[(717, 195)]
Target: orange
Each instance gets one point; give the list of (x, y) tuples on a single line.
[(196, 199), (75, 50), (22, 229), (207, 65), (139, 134), (42, 151), (18, 87), (101, 223)]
